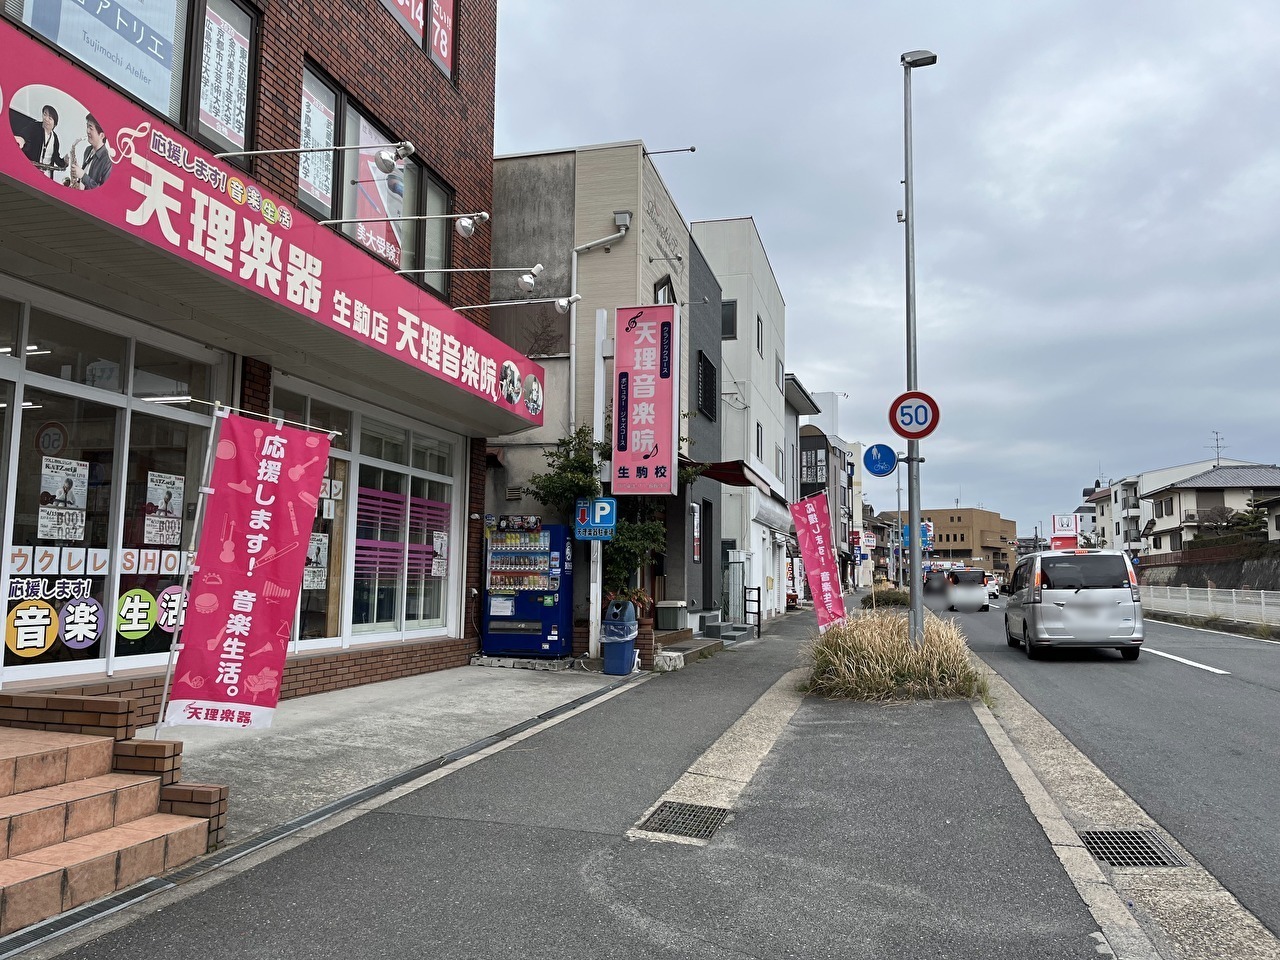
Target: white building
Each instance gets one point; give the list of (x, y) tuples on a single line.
[(755, 526)]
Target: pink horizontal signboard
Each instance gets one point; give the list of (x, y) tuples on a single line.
[(117, 162), (248, 571)]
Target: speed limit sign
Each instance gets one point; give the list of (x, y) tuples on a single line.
[(914, 415)]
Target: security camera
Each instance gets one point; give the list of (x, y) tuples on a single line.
[(902, 217)]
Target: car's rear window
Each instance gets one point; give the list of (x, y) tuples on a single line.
[(969, 577), (1083, 571)]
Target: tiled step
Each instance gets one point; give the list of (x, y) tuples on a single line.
[(32, 759), (66, 811), (44, 882)]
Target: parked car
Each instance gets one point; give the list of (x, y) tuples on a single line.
[(967, 590), (1074, 598)]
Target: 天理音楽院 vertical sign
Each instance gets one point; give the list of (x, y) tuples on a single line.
[(646, 400)]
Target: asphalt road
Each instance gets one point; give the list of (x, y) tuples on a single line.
[(1197, 749)]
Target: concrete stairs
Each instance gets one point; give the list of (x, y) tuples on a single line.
[(72, 831), (711, 626)]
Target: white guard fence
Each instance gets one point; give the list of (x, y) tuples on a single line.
[(1244, 606)]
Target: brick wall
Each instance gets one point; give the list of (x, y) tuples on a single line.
[(304, 674), (391, 78), (255, 386)]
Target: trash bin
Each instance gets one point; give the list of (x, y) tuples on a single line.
[(618, 632), (673, 614)]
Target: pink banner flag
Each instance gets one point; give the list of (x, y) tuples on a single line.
[(247, 573), (813, 530)]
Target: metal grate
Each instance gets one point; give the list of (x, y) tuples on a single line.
[(1130, 848), (685, 820)]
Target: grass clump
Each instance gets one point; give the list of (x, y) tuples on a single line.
[(886, 597), (872, 658)]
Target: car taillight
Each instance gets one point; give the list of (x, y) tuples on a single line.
[(1035, 589), (1133, 586)]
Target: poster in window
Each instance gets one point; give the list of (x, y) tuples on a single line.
[(315, 575), (130, 42), (315, 170), (442, 35), (64, 493), (224, 87), (379, 197), (162, 523)]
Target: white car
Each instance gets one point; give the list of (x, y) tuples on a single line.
[(993, 586), (966, 590)]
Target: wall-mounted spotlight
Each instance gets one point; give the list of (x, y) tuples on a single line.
[(677, 258), (527, 281), (562, 303), (654, 153), (386, 159), (465, 226)]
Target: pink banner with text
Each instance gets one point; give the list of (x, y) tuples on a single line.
[(646, 405), (247, 573), (108, 157), (813, 531)]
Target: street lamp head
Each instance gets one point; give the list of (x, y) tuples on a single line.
[(919, 58), (564, 303), (528, 281), (466, 226), (386, 160)]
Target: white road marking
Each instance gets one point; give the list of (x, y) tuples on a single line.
[(1221, 633), (1189, 663)]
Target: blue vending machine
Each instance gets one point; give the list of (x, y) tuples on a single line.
[(528, 603)]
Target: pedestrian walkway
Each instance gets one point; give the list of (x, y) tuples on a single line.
[(867, 830)]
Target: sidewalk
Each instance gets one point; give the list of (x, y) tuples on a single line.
[(868, 831), (328, 746)]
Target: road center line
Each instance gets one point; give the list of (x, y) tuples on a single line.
[(1189, 663)]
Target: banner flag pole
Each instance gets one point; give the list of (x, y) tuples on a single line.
[(220, 413)]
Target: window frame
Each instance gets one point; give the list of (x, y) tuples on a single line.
[(729, 307), (664, 291), (708, 386), (760, 335), (344, 160), (197, 9)]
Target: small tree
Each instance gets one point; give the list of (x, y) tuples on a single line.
[(1216, 519), (1253, 519), (572, 474)]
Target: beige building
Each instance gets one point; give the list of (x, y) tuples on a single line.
[(981, 538)]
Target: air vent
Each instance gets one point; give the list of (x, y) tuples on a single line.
[(515, 493)]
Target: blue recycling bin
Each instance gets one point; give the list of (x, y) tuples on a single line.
[(618, 632)]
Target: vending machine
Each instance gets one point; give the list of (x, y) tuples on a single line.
[(528, 603)]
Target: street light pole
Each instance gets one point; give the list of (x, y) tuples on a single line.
[(911, 60)]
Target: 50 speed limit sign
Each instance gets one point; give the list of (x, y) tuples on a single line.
[(914, 415)]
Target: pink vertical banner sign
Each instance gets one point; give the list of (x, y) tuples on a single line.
[(247, 573), (646, 408), (813, 530)]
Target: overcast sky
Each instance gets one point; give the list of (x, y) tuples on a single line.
[(1097, 195)]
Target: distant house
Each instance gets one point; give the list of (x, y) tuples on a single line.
[(1198, 505)]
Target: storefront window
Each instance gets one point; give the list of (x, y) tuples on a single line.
[(382, 441), (163, 377), (429, 513), (320, 612), (324, 416), (10, 314), (166, 460), (380, 548), (432, 455), (289, 405), (72, 351), (60, 561)]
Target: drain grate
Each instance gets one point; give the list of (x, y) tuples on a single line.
[(1130, 848), (685, 820)]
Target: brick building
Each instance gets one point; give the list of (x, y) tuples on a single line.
[(154, 263)]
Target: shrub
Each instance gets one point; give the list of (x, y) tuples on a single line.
[(872, 658), (886, 597)]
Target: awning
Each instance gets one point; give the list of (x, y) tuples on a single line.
[(733, 473)]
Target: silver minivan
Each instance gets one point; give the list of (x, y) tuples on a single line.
[(1074, 598)]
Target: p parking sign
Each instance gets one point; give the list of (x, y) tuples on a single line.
[(595, 519)]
